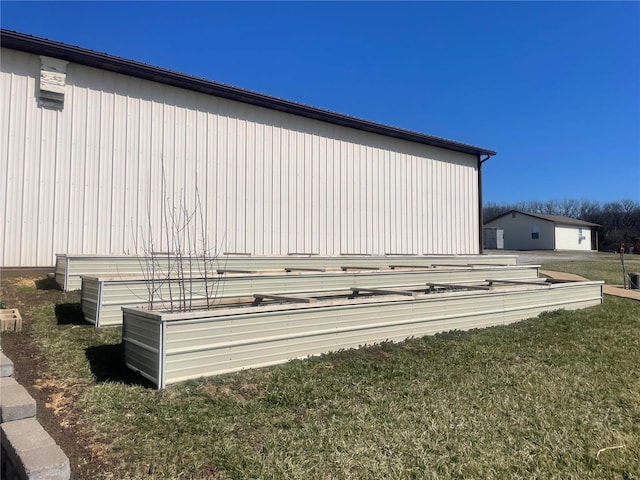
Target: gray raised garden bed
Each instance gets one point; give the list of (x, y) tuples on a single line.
[(168, 348), (103, 297), (70, 268)]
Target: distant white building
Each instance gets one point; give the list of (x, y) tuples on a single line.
[(535, 231)]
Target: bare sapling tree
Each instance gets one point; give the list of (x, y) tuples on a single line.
[(183, 276), (210, 256)]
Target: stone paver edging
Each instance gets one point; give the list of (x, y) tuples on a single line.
[(28, 451), (15, 401), (32, 452)]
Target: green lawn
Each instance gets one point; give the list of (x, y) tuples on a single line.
[(537, 399), (596, 266)]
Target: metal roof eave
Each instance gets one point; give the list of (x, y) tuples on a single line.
[(73, 54), (558, 220)]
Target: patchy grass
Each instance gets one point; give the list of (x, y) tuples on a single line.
[(537, 399)]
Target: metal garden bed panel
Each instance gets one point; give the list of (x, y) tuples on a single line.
[(102, 298), (70, 268), (211, 342), (143, 347)]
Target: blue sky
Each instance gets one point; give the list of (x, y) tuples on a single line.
[(553, 87)]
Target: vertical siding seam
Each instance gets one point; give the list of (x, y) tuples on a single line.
[(233, 170), (387, 201), (210, 237), (260, 199), (114, 148), (6, 78), (125, 167), (6, 251), (270, 183), (97, 158), (54, 193), (131, 189), (242, 227), (203, 201), (23, 175), (83, 187), (41, 188), (103, 170), (133, 135), (67, 203), (143, 159), (368, 198), (155, 138)]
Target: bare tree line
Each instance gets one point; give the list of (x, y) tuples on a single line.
[(619, 220)]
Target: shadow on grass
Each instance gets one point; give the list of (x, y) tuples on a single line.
[(69, 314), (47, 284), (107, 365)]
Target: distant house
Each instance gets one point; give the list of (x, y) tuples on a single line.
[(535, 231)]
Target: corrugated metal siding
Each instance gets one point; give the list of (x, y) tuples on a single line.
[(209, 346), (102, 299), (89, 178)]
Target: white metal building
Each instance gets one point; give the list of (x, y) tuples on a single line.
[(534, 231), (97, 149)]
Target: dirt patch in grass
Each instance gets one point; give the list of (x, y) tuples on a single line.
[(25, 283), (55, 407), (56, 401)]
